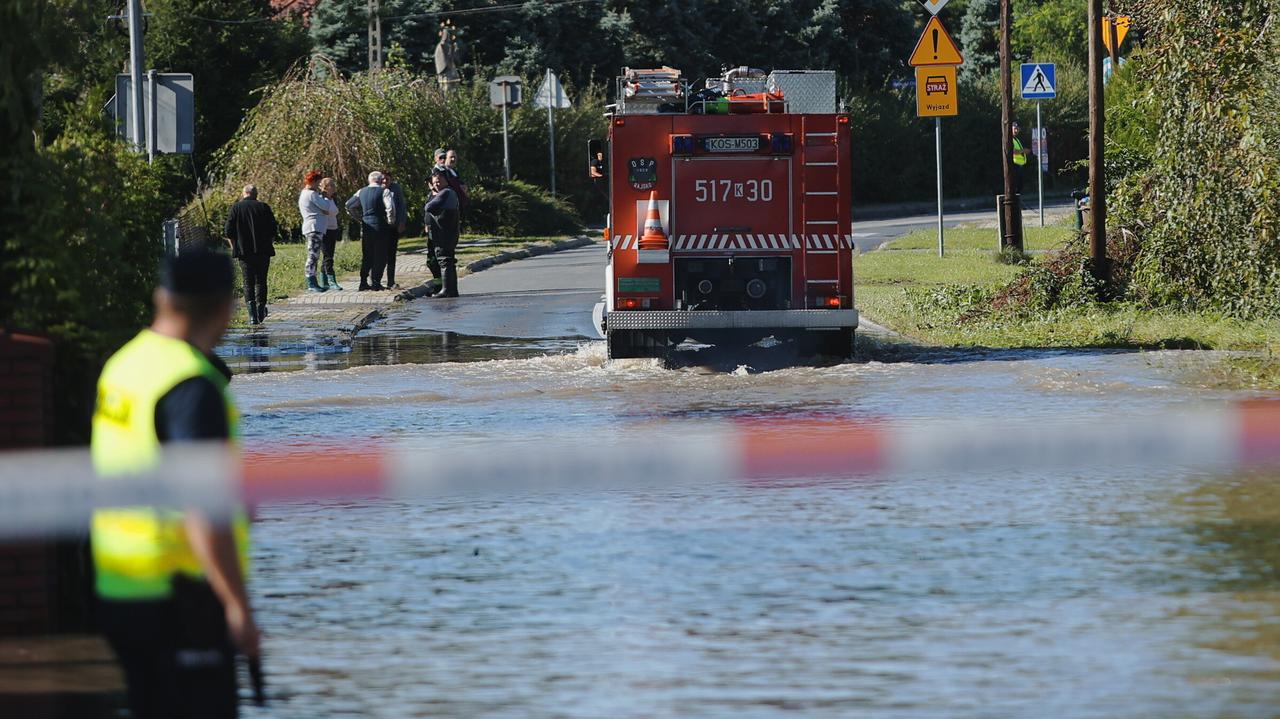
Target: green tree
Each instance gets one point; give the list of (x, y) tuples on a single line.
[(79, 213), (980, 38), (1051, 31), (232, 47), (866, 41)]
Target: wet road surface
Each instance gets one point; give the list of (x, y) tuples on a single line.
[(1123, 593)]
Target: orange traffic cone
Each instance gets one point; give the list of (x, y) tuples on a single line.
[(653, 238)]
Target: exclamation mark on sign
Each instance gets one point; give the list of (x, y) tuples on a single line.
[(935, 44)]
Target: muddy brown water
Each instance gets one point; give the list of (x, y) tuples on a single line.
[(1125, 593)]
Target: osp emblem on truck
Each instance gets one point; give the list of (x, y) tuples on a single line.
[(643, 173)]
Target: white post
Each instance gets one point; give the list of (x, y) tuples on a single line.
[(551, 129), (938, 145), (506, 149), (135, 73), (1039, 161), (152, 118)]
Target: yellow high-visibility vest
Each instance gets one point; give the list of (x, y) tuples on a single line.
[(138, 550), (1019, 154)]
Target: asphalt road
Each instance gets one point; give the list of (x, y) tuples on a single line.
[(870, 234), (553, 295), (546, 296)]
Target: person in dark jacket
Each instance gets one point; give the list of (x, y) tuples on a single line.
[(375, 207), (251, 230), (441, 219)]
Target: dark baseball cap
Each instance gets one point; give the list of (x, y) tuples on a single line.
[(199, 273)]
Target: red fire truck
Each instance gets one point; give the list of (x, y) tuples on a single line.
[(729, 213)]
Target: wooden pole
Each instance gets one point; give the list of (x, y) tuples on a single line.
[(1012, 207), (1098, 264)]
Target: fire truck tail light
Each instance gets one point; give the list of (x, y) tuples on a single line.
[(842, 120), (682, 144), (619, 121), (781, 143), (633, 303), (833, 303), (606, 234)]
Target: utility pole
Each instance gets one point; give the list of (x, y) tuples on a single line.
[(1099, 266), (1011, 209), (135, 74), (375, 36)]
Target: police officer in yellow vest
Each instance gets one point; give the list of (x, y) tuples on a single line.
[(1020, 155), (171, 583)]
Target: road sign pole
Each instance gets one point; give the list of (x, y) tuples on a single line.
[(152, 120), (551, 129), (506, 144), (1039, 161), (937, 141)]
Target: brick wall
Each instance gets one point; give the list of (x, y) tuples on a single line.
[(28, 571)]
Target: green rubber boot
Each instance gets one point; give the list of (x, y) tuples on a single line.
[(313, 286), (322, 280), (333, 283)]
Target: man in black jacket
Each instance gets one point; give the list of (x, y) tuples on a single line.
[(251, 230), (441, 219)]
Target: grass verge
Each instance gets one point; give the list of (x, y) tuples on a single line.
[(939, 301)]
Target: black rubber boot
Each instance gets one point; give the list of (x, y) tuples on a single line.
[(450, 286)]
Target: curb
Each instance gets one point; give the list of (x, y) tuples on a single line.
[(361, 321), (484, 263)]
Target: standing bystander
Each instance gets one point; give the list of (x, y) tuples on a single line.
[(455, 180), (332, 232), (171, 581), (397, 228), (1019, 158), (315, 213), (441, 219), (376, 209), (251, 230)]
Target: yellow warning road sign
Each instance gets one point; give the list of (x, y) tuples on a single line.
[(1122, 23), (936, 92), (935, 47)]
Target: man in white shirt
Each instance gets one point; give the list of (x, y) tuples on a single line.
[(375, 207)]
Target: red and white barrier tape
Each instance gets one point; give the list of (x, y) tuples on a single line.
[(50, 492)]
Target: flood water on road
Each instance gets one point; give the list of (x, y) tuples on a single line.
[(1065, 594)]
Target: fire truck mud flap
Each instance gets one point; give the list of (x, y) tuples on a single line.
[(715, 319)]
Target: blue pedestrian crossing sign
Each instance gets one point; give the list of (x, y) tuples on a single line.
[(1039, 81)]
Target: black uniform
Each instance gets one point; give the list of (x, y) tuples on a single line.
[(251, 227), (441, 214)]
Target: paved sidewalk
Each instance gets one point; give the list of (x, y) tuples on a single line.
[(348, 311)]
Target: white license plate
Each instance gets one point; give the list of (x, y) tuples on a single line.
[(732, 144)]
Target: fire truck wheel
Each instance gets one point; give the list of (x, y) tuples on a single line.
[(628, 344)]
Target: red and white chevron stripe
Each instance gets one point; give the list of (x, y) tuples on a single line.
[(694, 243)]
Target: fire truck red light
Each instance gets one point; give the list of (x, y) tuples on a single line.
[(833, 302)]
